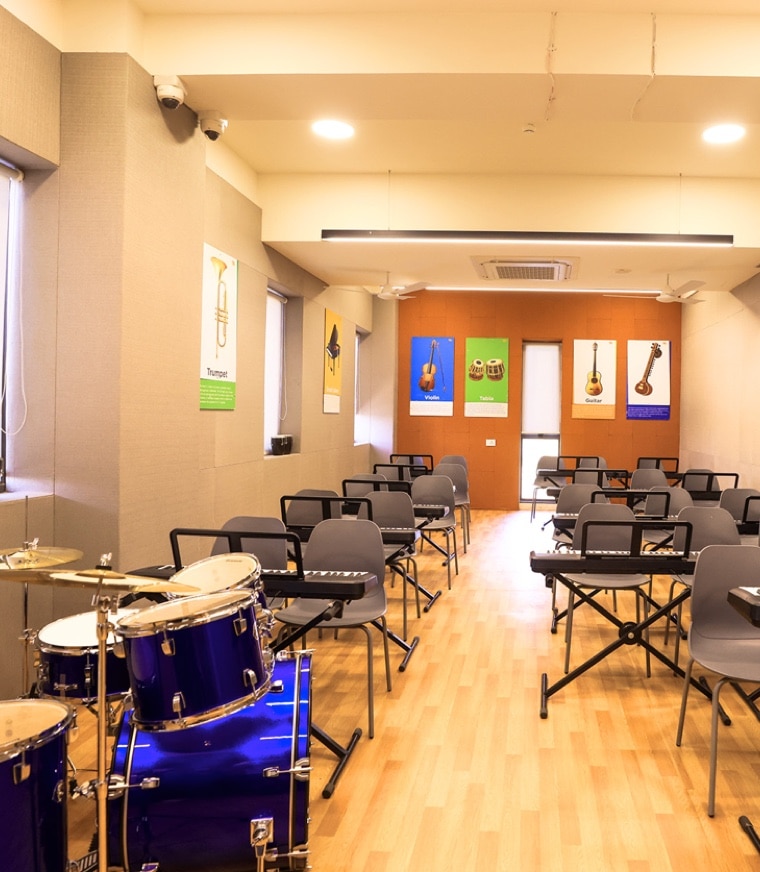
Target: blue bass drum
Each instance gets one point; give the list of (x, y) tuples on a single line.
[(33, 737), (195, 799)]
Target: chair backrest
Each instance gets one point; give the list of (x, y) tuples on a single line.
[(617, 538), (646, 478), (718, 569), (390, 509), (657, 504), (309, 512), (734, 500), (573, 497), (592, 462), (697, 479), (455, 458), (710, 525), (271, 553), (435, 490), (353, 487), (458, 475), (546, 461), (591, 475), (346, 545)]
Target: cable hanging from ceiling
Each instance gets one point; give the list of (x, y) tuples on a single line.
[(551, 48), (652, 68)]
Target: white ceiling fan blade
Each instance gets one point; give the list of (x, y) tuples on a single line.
[(688, 289)]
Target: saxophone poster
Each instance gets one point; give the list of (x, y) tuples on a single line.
[(332, 367), (432, 378), (486, 383), (648, 383), (594, 372), (218, 330)]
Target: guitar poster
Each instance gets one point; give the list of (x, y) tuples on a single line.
[(218, 330), (594, 371), (486, 378), (648, 382), (432, 376), (332, 367)]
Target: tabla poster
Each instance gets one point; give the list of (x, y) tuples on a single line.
[(432, 376), (332, 367), (594, 371), (486, 383), (218, 329), (648, 382)]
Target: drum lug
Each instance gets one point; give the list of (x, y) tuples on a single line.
[(250, 678), (262, 832), (21, 770), (240, 625), (117, 786), (300, 770), (167, 646), (178, 703)]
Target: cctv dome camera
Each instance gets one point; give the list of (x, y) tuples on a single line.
[(170, 91), (212, 125)]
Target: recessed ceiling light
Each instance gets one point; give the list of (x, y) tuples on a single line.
[(331, 129), (721, 134)]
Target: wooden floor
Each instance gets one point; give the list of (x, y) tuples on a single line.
[(464, 775)]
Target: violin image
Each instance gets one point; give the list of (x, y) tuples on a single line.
[(427, 379), (594, 378), (643, 387)]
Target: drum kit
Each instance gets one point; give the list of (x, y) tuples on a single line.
[(210, 758)]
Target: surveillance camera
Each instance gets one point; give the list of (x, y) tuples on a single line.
[(213, 125), (170, 91)]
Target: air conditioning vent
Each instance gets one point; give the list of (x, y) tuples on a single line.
[(520, 269)]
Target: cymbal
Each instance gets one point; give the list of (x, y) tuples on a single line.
[(38, 557), (106, 579)]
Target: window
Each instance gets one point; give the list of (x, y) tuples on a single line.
[(10, 194), (540, 409), (361, 416), (275, 407)]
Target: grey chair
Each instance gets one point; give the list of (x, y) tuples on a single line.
[(647, 478), (664, 502), (601, 538), (744, 505), (571, 499), (302, 515), (348, 545), (458, 475), (455, 458), (439, 490), (355, 487), (702, 486), (542, 482), (393, 511), (720, 639)]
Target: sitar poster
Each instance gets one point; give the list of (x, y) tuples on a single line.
[(332, 368), (648, 383), (218, 330), (432, 378), (594, 371), (486, 383)]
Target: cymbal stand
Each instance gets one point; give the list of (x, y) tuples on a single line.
[(27, 633)]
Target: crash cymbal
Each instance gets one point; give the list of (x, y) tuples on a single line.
[(38, 557), (107, 579)]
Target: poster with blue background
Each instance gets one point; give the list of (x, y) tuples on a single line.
[(432, 376)]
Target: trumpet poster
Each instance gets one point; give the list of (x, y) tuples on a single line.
[(648, 382), (594, 373), (218, 329), (432, 379), (486, 382), (332, 367)]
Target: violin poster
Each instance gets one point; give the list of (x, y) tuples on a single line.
[(432, 382), (594, 372), (332, 368), (218, 330), (486, 380), (648, 383)]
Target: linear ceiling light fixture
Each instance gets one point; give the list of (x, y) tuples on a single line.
[(700, 240)]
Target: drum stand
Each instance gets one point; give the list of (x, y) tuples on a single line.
[(334, 609)]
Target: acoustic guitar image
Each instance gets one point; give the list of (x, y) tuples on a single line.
[(643, 387), (427, 379), (594, 378)]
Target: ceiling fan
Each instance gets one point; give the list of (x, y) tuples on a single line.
[(386, 291), (682, 294)]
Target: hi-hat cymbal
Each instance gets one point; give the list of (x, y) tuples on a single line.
[(106, 579), (38, 557)]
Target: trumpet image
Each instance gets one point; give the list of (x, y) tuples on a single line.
[(221, 312)]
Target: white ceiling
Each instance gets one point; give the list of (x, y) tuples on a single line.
[(617, 89)]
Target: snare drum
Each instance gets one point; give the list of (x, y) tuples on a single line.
[(67, 659), (477, 368), (189, 799), (196, 659), (220, 572), (495, 369), (33, 734)]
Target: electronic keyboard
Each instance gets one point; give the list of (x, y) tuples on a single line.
[(746, 601), (318, 584), (656, 562)]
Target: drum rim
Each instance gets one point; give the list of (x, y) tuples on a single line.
[(227, 556), (11, 749), (78, 650), (231, 602)]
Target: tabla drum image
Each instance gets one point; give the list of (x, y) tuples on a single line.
[(495, 369), (477, 368), (198, 658), (67, 659), (193, 799), (33, 781), (220, 572)]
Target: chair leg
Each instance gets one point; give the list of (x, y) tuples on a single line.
[(684, 699), (569, 628), (370, 684), (714, 745)]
